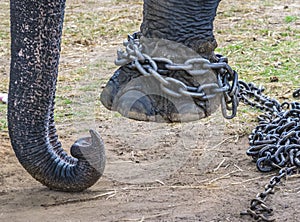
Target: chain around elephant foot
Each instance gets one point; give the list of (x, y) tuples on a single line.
[(163, 81)]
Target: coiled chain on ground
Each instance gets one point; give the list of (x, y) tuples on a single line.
[(274, 143)]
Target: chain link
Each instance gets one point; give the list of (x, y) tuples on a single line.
[(259, 210), (274, 143), (296, 94), (227, 84)]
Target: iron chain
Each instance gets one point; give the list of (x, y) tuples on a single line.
[(274, 143), (296, 94), (259, 210), (227, 78)]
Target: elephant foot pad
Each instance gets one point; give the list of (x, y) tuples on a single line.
[(141, 98)]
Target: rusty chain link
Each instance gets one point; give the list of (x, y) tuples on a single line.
[(227, 78), (274, 143)]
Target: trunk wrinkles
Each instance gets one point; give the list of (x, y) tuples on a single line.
[(36, 29)]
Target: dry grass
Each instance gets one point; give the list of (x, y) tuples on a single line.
[(261, 39)]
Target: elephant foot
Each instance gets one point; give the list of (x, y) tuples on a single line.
[(141, 98), (162, 81)]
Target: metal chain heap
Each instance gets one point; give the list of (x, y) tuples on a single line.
[(147, 66), (274, 143)]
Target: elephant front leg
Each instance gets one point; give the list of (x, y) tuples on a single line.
[(166, 72)]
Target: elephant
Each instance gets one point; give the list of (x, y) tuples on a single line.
[(181, 32), (36, 32)]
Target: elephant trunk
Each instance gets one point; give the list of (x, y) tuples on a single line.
[(186, 22), (36, 29)]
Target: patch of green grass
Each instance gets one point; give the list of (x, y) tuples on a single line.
[(290, 18), (268, 3), (76, 100), (260, 67), (3, 124), (89, 88), (101, 26), (3, 118), (265, 53), (117, 115)]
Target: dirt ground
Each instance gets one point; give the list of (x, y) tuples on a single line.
[(155, 172)]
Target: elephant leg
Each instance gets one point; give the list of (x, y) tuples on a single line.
[(36, 29), (177, 31)]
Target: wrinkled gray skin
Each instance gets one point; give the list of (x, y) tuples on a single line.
[(186, 28), (36, 28), (186, 22)]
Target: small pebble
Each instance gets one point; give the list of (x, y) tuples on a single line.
[(3, 98)]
